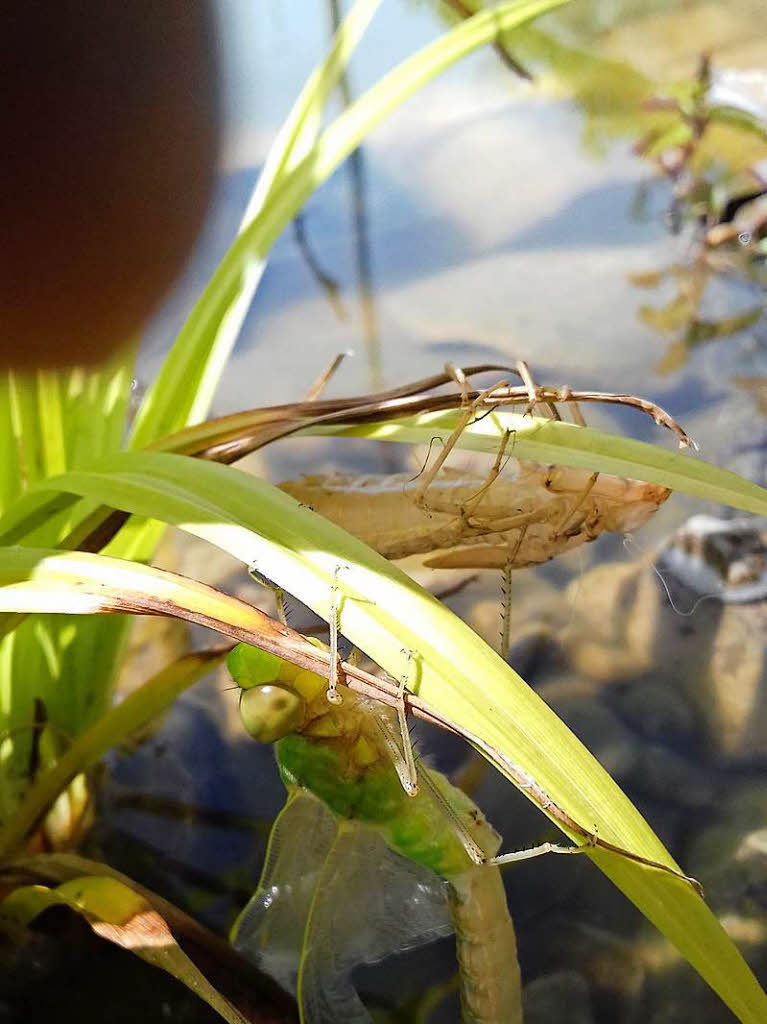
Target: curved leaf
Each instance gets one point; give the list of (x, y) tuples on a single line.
[(386, 614), (41, 580)]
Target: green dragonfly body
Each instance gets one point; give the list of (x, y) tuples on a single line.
[(348, 831)]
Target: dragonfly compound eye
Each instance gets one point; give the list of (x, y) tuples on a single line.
[(270, 712)]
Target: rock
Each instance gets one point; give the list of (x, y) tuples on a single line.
[(533, 653), (664, 775), (736, 705), (655, 711), (595, 725), (717, 842), (680, 997), (607, 963), (612, 621), (563, 995), (693, 625)]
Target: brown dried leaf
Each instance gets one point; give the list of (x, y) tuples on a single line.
[(122, 916)]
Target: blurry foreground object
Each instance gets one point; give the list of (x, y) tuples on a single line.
[(110, 128)]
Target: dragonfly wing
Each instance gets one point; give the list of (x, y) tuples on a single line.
[(270, 930), (371, 902), (332, 895)]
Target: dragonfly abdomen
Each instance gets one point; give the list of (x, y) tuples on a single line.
[(491, 986)]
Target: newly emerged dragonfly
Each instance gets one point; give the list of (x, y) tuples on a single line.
[(357, 868)]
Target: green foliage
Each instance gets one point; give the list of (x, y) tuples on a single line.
[(48, 423), (60, 461)]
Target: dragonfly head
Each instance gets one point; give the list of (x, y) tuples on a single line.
[(274, 695)]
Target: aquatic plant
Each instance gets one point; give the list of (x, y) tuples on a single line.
[(80, 517)]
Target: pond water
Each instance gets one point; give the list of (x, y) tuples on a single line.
[(492, 219)]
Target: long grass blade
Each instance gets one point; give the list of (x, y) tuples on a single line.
[(10, 482), (299, 131), (25, 425), (51, 422), (182, 392), (55, 421)]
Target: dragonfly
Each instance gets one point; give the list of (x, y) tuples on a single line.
[(372, 853)]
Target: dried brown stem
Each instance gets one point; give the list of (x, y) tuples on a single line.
[(234, 444)]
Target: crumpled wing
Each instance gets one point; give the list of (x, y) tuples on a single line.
[(270, 929), (332, 895)]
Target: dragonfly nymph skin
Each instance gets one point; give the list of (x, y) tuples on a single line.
[(530, 514), (342, 754)]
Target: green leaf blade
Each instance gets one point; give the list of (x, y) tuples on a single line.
[(183, 390), (556, 443)]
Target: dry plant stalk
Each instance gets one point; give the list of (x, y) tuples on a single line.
[(232, 437)]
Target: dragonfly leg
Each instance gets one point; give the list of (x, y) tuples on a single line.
[(497, 468), (332, 694), (467, 414), (279, 593), (505, 638), (409, 777), (506, 523), (279, 600), (591, 842), (533, 393), (537, 396), (460, 526), (540, 851), (476, 854), (403, 760), (580, 498), (456, 372)]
